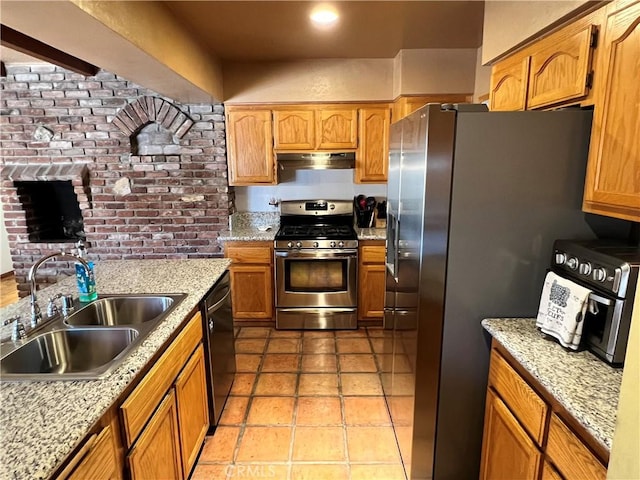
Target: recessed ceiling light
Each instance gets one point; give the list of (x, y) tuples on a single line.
[(324, 16)]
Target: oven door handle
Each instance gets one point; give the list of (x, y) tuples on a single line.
[(599, 299), (323, 254)]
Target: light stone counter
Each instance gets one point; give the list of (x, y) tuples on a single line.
[(371, 233), (586, 386), (251, 227), (42, 422)]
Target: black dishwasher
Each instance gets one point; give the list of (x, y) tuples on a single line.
[(219, 346)]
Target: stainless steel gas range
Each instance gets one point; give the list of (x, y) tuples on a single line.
[(316, 259)]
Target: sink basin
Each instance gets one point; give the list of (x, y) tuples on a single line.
[(90, 342), (123, 310), (71, 353)]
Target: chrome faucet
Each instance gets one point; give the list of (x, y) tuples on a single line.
[(36, 315)]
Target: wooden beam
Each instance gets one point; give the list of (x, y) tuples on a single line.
[(15, 40)]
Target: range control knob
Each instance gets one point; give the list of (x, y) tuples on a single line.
[(573, 263), (560, 258), (585, 268), (340, 244), (316, 244), (332, 244), (332, 206), (299, 244), (599, 274), (289, 244)]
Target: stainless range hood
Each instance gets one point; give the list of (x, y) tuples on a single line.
[(316, 160)]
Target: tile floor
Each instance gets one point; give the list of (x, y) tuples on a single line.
[(304, 406)]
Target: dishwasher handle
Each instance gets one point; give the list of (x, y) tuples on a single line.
[(211, 309)]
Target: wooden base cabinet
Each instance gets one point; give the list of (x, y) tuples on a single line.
[(524, 435), (165, 436), (251, 271), (157, 452), (508, 452), (192, 409), (371, 280)]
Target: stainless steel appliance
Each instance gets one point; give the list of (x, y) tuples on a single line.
[(316, 260), (475, 200), (219, 346), (610, 271)]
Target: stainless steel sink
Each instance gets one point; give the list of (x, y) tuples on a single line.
[(89, 343), (78, 353), (123, 310)]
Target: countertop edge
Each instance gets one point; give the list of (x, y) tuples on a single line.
[(582, 395)]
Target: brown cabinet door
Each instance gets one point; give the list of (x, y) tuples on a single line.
[(509, 84), (507, 451), (560, 66), (252, 291), (337, 128), (567, 452), (550, 473), (372, 157), (294, 129), (97, 459), (156, 454), (612, 185), (250, 147), (371, 282), (193, 411)]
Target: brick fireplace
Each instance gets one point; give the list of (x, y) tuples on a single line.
[(149, 174)]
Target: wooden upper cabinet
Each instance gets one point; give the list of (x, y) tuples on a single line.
[(612, 184), (509, 80), (250, 147), (560, 67), (372, 156), (294, 129), (337, 128)]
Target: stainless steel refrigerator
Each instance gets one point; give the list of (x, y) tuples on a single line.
[(475, 200)]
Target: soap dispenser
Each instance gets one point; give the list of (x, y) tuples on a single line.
[(86, 283)]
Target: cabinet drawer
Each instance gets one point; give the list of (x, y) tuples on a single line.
[(372, 254), (249, 253), (138, 407), (523, 401), (97, 459), (570, 455)]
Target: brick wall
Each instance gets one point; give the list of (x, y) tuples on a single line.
[(179, 200)]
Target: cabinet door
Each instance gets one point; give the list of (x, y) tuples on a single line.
[(549, 473), (97, 459), (371, 291), (193, 412), (294, 130), (337, 128), (612, 184), (560, 66), (509, 84), (252, 291), (372, 157), (250, 147), (507, 451), (567, 452), (157, 452)]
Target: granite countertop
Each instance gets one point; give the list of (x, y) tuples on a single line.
[(42, 422), (583, 384), (371, 233), (251, 227)]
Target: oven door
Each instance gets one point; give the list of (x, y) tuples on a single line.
[(322, 279), (606, 328)]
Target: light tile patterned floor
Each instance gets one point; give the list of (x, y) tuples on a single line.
[(304, 406)]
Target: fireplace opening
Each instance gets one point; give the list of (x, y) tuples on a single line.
[(52, 211)]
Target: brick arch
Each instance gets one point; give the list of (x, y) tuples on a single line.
[(145, 110)]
